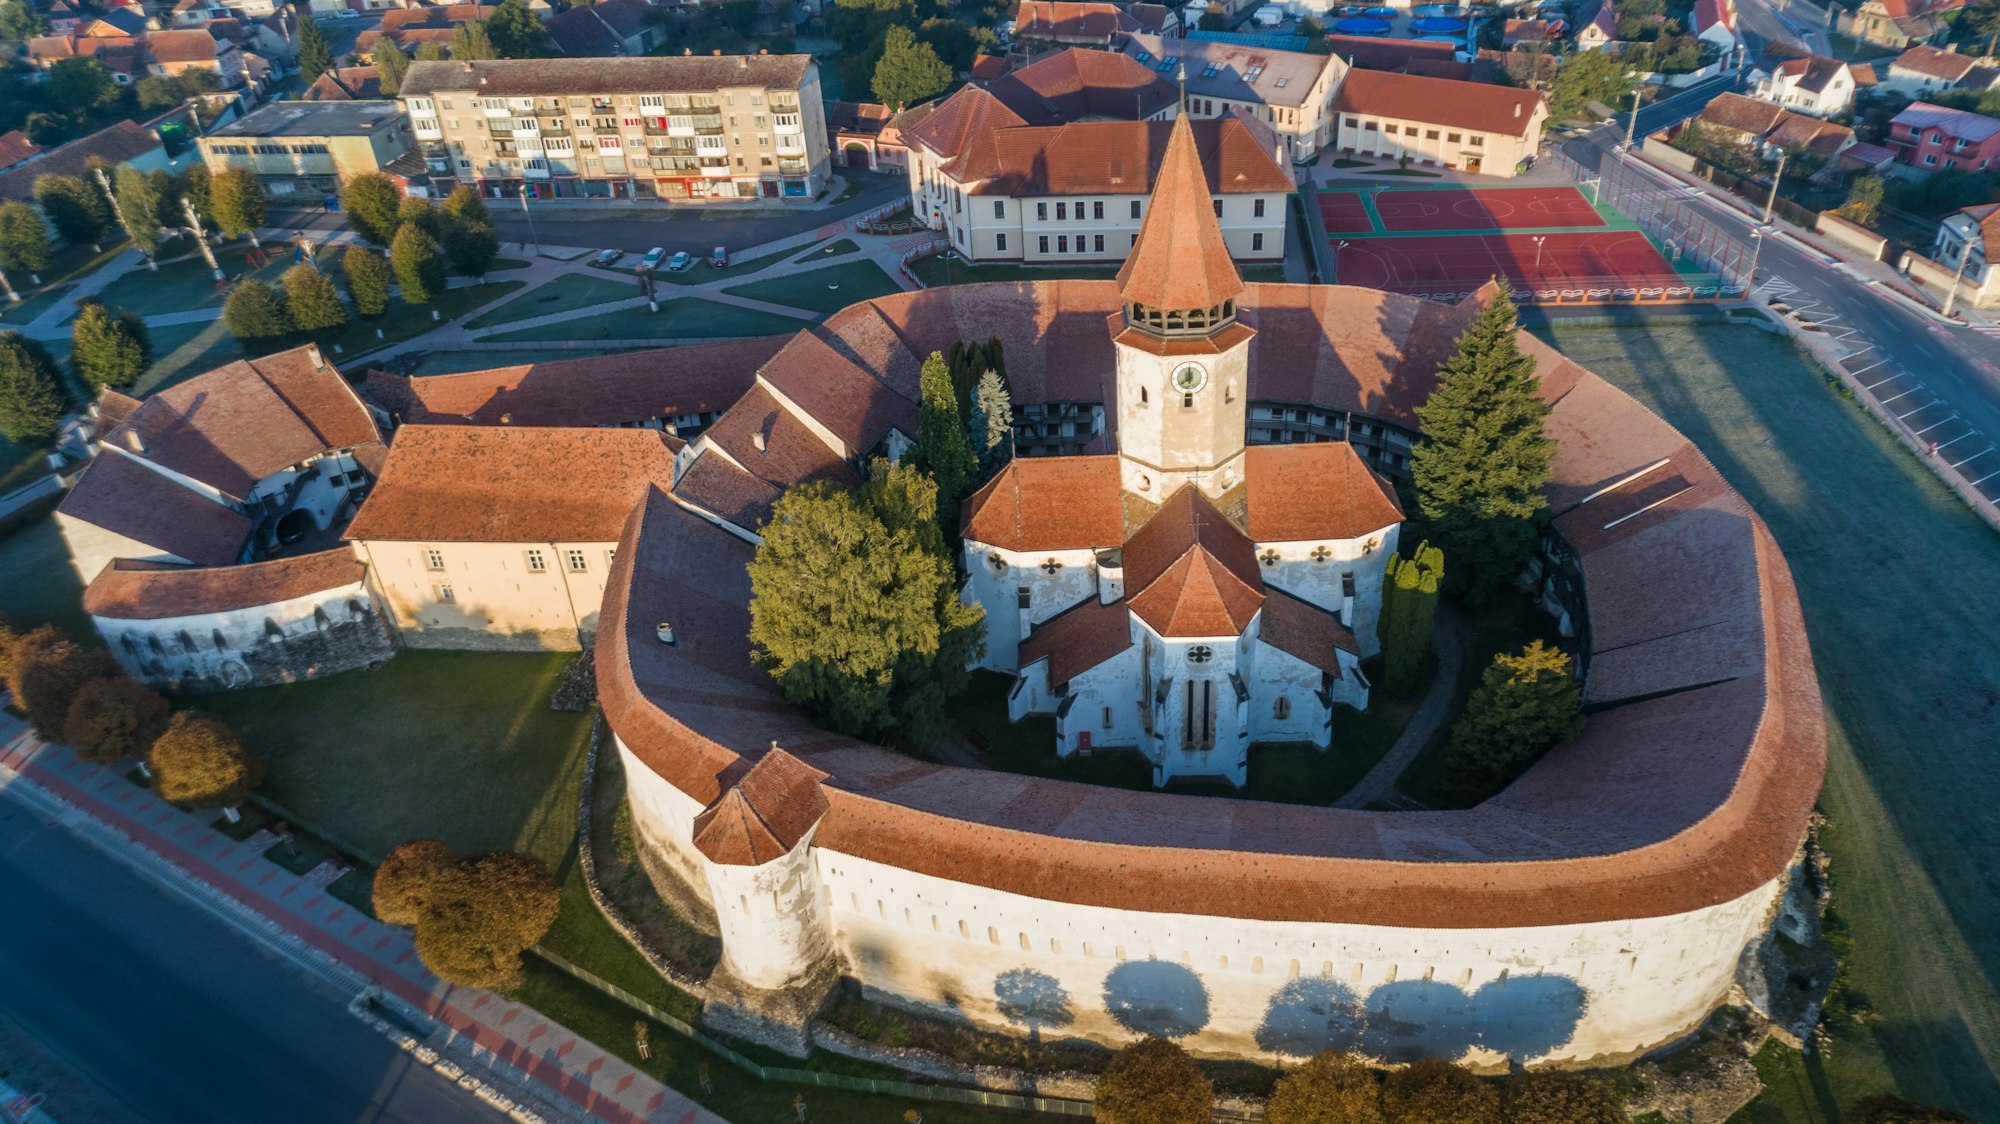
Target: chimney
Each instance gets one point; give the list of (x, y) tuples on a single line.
[(717, 52), (757, 439), (665, 631), (318, 360), (742, 62), (1517, 111), (686, 51), (506, 419), (134, 442), (466, 66)]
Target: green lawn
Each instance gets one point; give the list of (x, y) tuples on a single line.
[(25, 311), (188, 284), (822, 290), (1505, 627), (565, 294), (38, 586), (1286, 774), (1911, 675), (405, 321), (831, 249), (681, 318)]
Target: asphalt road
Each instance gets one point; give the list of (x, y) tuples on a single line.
[(175, 1013), (1942, 381)]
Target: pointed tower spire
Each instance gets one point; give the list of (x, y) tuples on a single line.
[(1180, 264)]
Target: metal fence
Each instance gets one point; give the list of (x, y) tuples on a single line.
[(1662, 211), (950, 1094)]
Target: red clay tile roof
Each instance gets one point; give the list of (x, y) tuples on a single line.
[(752, 454), (858, 397), (1066, 20), (139, 591), (347, 83), (114, 144), (1048, 503), (186, 45), (1948, 65), (1388, 54), (1078, 83), (959, 124), (113, 407), (1501, 110), (1180, 260), (1320, 490), (765, 814), (987, 67), (1190, 572), (1306, 631), (618, 389), (16, 147), (1712, 13), (1117, 157), (236, 425), (1079, 638), (126, 498), (461, 483)]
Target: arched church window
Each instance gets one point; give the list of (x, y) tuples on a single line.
[(1269, 558), (1200, 654), (1321, 553), (1052, 566)]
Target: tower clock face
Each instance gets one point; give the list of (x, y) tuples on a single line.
[(1190, 377)]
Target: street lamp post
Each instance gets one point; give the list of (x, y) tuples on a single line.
[(537, 242), (1632, 125), (1771, 204), (1539, 239), (1951, 298), (1756, 247)]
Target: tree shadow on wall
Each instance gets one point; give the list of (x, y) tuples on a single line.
[(1032, 999), (1156, 997), (1523, 1017)]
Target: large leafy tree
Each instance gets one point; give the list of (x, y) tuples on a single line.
[(473, 917), (1154, 1081), (390, 66), (470, 245), (371, 200), (114, 718), (419, 268), (1434, 1091), (991, 426), (404, 881), (20, 21), (311, 301), (908, 72), (81, 85), (236, 197), (854, 609), (108, 347), (139, 206), (1525, 703), (1478, 471), (1547, 1097), (24, 239), (1332, 1088), (255, 310), (1587, 76), (368, 279), (197, 186), (515, 32), (1409, 605), (75, 206), (315, 53), (31, 398), (49, 670), (198, 763), (943, 449), (471, 42), (421, 213), (465, 205)]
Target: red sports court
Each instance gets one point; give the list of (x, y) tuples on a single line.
[(1460, 208), (1582, 266)]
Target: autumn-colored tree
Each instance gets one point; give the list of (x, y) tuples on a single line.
[(1332, 1088), (1434, 1091), (9, 636), (404, 881), (114, 718), (1154, 1081), (49, 670), (473, 917), (198, 763), (1549, 1097)]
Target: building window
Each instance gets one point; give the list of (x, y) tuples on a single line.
[(1218, 207), (1200, 654), (1430, 134), (1000, 241), (1041, 212), (536, 563), (1107, 718), (1477, 141), (433, 559), (1062, 211), (577, 562), (444, 593), (1257, 241), (1135, 208), (1187, 401), (1256, 208), (1097, 209), (1021, 597), (1281, 708), (1347, 584), (1042, 244), (999, 208), (1452, 138), (1097, 243), (1062, 243)]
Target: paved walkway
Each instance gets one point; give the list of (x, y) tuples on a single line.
[(568, 1069), (1379, 785)]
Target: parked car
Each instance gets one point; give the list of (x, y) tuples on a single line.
[(681, 262), (719, 258), (347, 14), (608, 257), (652, 258)]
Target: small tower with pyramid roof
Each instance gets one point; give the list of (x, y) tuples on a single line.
[(1182, 355)]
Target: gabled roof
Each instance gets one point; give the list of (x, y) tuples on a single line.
[(1440, 101), (1065, 20), (1605, 19), (140, 591), (236, 425), (347, 83), (1320, 490), (1180, 260), (1388, 54), (1118, 158), (465, 483), (596, 30), (1710, 14), (1079, 638), (765, 814), (1745, 115), (1075, 83), (128, 499), (1238, 71), (1812, 73), (1986, 216), (1955, 123), (1932, 62), (963, 121), (183, 45), (1048, 503), (764, 437), (115, 144), (858, 117), (1190, 572), (15, 147), (1306, 631)]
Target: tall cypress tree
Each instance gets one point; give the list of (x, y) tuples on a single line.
[(108, 347), (1478, 471), (943, 450), (1409, 605), (315, 53)]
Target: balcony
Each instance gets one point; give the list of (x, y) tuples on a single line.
[(499, 111), (792, 167), (605, 130)]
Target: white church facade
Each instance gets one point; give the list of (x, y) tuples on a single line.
[(1189, 596)]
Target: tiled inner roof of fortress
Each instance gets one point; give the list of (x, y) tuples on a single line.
[(1689, 787)]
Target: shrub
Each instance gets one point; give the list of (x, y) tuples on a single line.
[(198, 763), (1435, 1091), (473, 917), (114, 718), (404, 881), (1332, 1088), (1153, 1081), (49, 670), (1559, 1098)]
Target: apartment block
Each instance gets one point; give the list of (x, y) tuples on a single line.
[(684, 127), (314, 147)]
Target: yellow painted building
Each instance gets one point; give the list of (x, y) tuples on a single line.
[(300, 147)]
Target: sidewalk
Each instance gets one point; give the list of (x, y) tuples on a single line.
[(1379, 784), (567, 1069)]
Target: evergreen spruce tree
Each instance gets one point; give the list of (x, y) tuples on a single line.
[(255, 311), (108, 347), (943, 450), (471, 42), (516, 33), (237, 198), (315, 53), (76, 208), (390, 66), (908, 72), (368, 280), (1478, 470), (197, 186), (1409, 605), (311, 300), (419, 269), (420, 212), (24, 241), (992, 425), (139, 204), (31, 398), (1524, 704), (465, 205), (370, 200), (470, 245)]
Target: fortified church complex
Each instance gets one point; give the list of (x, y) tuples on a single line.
[(1185, 558)]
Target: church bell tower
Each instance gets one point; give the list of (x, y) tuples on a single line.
[(1183, 359)]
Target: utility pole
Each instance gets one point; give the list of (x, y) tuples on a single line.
[(531, 221), (105, 183), (1771, 204), (1632, 125), (200, 237), (1951, 298), (1756, 247)]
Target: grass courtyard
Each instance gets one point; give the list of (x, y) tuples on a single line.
[(822, 290), (188, 284), (1901, 589), (682, 318), (564, 294)]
